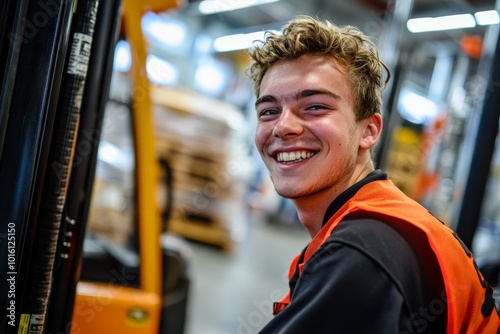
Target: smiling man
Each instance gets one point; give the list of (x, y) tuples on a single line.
[(378, 262)]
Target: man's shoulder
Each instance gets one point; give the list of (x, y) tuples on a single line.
[(378, 240), (409, 262), (400, 254)]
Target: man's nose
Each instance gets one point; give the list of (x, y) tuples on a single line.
[(289, 124)]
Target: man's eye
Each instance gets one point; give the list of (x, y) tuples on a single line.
[(316, 107), (268, 112)]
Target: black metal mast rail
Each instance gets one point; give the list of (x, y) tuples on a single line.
[(36, 45), (48, 50)]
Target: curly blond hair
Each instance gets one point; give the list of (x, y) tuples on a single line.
[(346, 44)]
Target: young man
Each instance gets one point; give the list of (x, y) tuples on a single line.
[(378, 261)]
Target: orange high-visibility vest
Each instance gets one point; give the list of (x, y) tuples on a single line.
[(470, 305)]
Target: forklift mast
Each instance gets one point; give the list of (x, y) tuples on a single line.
[(56, 60)]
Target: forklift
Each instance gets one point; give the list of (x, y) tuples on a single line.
[(83, 239)]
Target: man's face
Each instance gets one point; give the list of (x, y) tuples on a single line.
[(306, 132)]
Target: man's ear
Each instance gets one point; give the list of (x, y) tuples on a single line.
[(372, 127)]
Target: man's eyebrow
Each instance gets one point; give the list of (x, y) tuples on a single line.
[(299, 95), (264, 99), (312, 92)]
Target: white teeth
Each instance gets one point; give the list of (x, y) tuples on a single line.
[(293, 156)]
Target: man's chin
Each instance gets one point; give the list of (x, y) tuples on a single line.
[(290, 193)]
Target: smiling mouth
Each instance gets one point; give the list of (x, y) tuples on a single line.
[(291, 157)]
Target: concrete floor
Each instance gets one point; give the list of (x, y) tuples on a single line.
[(233, 292)]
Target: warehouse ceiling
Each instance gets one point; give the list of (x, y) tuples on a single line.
[(365, 14)]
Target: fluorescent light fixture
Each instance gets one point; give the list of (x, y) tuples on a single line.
[(415, 107), (161, 72), (218, 6), (166, 30), (425, 24), (120, 158), (238, 41), (211, 77), (487, 17), (123, 57)]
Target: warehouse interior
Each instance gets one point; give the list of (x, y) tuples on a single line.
[(236, 235), (179, 158)]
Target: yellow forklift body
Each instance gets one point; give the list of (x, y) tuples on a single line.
[(106, 308)]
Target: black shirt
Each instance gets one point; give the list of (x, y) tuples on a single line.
[(366, 278)]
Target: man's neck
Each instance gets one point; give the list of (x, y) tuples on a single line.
[(311, 210)]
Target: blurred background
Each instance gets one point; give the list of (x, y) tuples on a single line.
[(227, 238), (237, 236)]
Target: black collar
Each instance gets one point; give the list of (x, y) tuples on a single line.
[(341, 199)]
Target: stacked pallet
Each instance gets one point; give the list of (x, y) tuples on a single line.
[(404, 159), (204, 142)]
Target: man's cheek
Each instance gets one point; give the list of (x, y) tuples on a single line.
[(260, 139)]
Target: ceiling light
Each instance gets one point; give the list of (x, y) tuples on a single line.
[(441, 23), (238, 41), (211, 78), (122, 57), (487, 17), (161, 71), (218, 6), (122, 158), (416, 107), (165, 29)]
